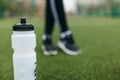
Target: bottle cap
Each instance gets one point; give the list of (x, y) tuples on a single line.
[(23, 26)]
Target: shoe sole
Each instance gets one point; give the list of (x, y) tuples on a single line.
[(67, 51), (48, 53)]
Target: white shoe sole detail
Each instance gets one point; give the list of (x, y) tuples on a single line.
[(48, 53), (67, 51)]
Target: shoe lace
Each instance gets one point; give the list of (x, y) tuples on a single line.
[(49, 41), (69, 39)]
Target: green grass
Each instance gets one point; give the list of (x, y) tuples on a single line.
[(98, 38)]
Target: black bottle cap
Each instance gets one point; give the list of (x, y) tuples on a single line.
[(23, 26)]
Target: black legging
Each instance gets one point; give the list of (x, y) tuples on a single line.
[(55, 12)]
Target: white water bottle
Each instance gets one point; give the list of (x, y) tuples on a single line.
[(24, 56)]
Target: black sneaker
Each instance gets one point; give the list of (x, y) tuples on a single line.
[(67, 44), (48, 48)]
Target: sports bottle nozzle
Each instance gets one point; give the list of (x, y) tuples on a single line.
[(23, 26), (23, 21)]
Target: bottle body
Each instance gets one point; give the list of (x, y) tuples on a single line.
[(24, 57)]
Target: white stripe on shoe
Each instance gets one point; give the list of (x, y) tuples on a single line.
[(67, 51), (64, 34), (48, 53)]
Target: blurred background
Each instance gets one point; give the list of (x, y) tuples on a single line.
[(96, 28), (12, 8)]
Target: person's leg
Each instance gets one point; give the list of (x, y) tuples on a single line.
[(66, 42), (47, 47), (49, 19), (57, 8)]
